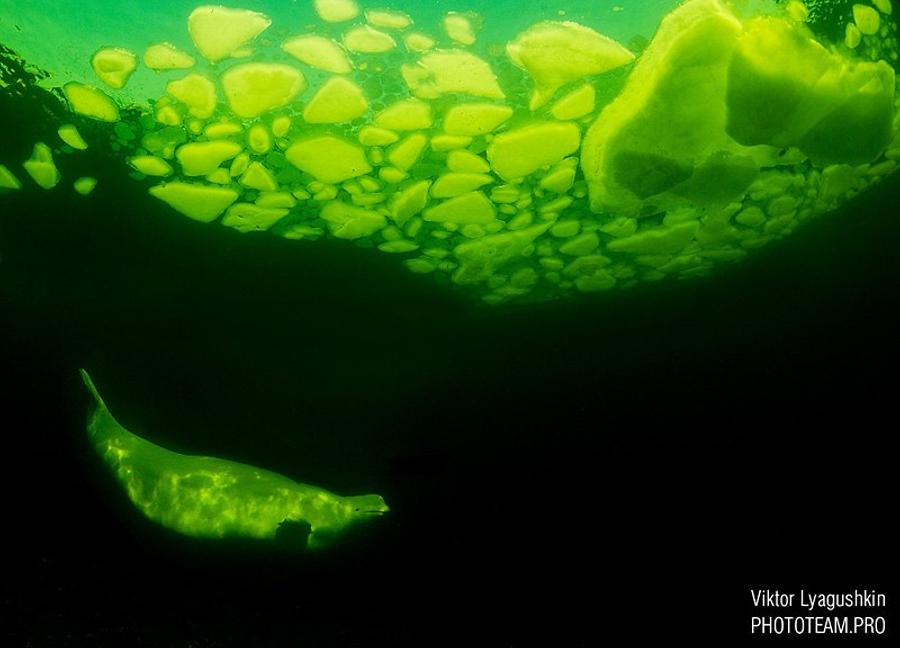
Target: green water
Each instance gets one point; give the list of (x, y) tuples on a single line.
[(560, 466), (72, 31), (665, 146)]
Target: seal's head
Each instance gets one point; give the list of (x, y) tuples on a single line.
[(346, 512), (367, 506)]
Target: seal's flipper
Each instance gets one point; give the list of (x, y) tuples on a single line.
[(293, 533)]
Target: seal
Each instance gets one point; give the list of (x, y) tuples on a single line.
[(207, 497)]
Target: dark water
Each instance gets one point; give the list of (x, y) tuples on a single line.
[(618, 466)]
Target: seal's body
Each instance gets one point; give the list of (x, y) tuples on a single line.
[(214, 498)]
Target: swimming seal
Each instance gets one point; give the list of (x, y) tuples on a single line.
[(206, 497)]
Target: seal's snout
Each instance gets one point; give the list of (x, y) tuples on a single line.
[(369, 505)]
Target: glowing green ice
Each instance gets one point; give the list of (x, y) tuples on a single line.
[(528, 153), (520, 150), (205, 497)]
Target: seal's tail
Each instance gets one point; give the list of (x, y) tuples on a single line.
[(91, 388), (101, 424)]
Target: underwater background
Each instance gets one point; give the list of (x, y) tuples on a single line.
[(623, 465)]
